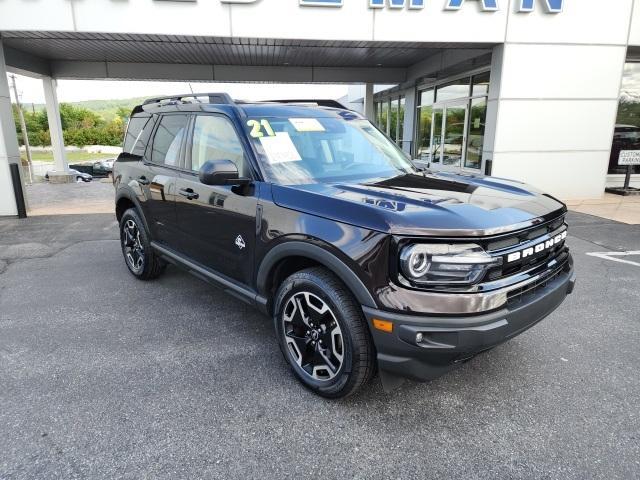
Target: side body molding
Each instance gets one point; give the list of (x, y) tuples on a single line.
[(320, 255)]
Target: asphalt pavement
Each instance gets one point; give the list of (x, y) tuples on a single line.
[(103, 376)]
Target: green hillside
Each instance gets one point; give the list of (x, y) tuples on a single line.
[(107, 109)]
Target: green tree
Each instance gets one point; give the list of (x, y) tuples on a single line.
[(80, 126)]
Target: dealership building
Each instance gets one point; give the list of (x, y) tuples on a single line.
[(543, 91)]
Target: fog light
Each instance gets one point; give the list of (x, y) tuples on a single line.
[(419, 337)]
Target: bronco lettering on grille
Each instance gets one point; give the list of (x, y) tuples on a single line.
[(542, 246)]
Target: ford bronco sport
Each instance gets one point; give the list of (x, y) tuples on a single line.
[(364, 261)]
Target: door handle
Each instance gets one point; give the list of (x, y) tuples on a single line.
[(189, 193), (143, 180)]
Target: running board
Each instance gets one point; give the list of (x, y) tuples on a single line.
[(217, 280)]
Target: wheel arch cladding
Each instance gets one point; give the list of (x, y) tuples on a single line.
[(123, 204), (126, 199), (317, 255)]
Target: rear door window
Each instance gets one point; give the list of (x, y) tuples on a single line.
[(168, 140)]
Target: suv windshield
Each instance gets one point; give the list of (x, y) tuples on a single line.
[(296, 150)]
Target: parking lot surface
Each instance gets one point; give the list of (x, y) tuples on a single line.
[(104, 376)]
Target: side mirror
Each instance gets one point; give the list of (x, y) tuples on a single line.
[(220, 172)]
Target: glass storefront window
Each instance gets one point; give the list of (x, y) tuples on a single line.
[(390, 118), (481, 84), (427, 97), (453, 143), (451, 122), (475, 137), (401, 102), (436, 145), (423, 130), (393, 120), (456, 89), (384, 116), (627, 130)]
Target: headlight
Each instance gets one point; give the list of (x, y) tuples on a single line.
[(438, 264)]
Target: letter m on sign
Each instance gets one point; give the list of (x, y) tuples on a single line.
[(552, 6)]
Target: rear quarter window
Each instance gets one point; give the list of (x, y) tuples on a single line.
[(137, 136)]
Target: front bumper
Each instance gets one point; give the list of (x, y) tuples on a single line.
[(450, 340)]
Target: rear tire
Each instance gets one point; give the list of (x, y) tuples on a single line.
[(322, 333), (141, 260)]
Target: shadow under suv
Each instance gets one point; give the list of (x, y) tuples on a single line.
[(365, 262)]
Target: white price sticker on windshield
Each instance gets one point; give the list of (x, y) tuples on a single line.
[(280, 148), (306, 124)]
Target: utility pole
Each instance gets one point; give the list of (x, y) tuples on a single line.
[(23, 127)]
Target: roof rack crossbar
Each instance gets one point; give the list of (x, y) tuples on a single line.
[(215, 98)]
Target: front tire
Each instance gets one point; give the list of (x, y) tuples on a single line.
[(141, 260), (323, 334)]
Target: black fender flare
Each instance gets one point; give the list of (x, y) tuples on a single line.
[(128, 194), (320, 255)]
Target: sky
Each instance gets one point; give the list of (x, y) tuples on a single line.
[(30, 90)]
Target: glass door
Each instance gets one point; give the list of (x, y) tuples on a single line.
[(436, 135), (448, 138)]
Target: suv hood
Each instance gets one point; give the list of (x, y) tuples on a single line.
[(425, 204)]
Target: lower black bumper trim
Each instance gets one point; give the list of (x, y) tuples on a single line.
[(448, 341)]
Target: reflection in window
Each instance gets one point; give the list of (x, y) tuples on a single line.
[(393, 120), (384, 116), (214, 138), (626, 135), (425, 113), (453, 143), (401, 103), (481, 84), (475, 138), (456, 89), (390, 118), (168, 138)]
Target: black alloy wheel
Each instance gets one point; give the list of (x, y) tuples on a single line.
[(313, 336), (323, 334), (132, 246), (140, 258)]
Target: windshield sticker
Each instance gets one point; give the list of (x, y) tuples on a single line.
[(279, 148), (257, 126), (306, 125)]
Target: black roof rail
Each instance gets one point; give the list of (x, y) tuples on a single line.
[(215, 98), (319, 102)]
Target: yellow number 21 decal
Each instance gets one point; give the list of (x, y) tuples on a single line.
[(257, 126)]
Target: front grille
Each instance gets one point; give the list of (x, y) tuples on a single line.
[(520, 294), (520, 242)]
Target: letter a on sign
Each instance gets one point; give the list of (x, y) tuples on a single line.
[(487, 5), (552, 6)]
